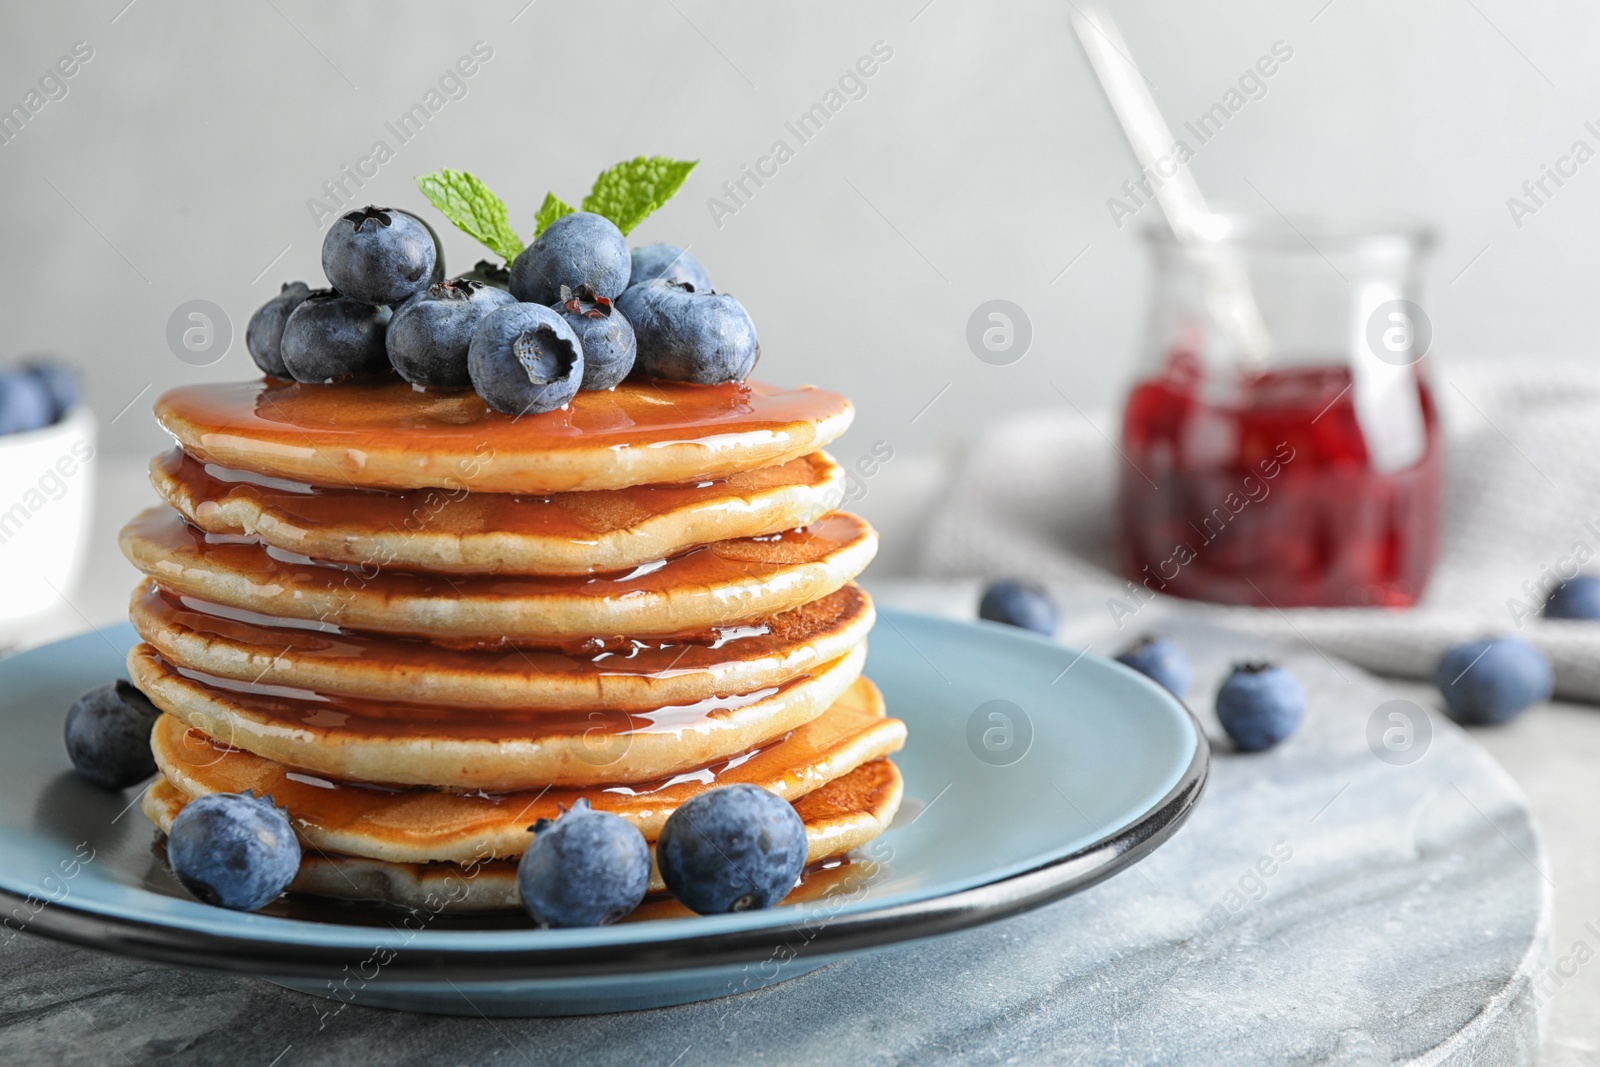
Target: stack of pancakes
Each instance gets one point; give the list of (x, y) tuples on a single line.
[(421, 625)]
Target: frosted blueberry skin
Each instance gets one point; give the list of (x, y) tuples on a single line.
[(734, 848), (428, 338), (25, 402), (577, 249), (584, 868), (1161, 660), (524, 359), (380, 255), (108, 735), (1260, 705), (330, 337), (233, 850), (1019, 604), (688, 335), (1575, 599), (264, 334), (495, 274), (608, 342), (1494, 680), (60, 381), (669, 263)]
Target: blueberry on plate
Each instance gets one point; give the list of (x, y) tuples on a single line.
[(1019, 604), (687, 334), (234, 850), (608, 344), (524, 359), (108, 735), (379, 255), (59, 380), (1259, 705), (733, 848), (584, 868), (577, 249), (1160, 659), (264, 334), (330, 337), (1575, 599), (669, 263), (1494, 680), (428, 336), (25, 402), (495, 274)]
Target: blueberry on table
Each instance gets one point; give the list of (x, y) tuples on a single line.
[(607, 338), (25, 402), (59, 380), (524, 359), (330, 337), (733, 848), (576, 249), (687, 334), (234, 850), (1019, 604), (108, 735), (668, 263), (264, 335), (1575, 599), (428, 337), (1160, 659), (1259, 705), (379, 255), (584, 868), (1494, 680)]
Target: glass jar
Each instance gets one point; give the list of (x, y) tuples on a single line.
[(1295, 466)]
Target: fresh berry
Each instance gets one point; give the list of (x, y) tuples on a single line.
[(59, 380), (734, 848), (1576, 599), (495, 274), (1492, 681), (690, 335), (1260, 705), (436, 275), (584, 868), (669, 263), (577, 249), (264, 334), (234, 850), (108, 735), (428, 337), (608, 345), (25, 402), (1019, 604), (330, 337), (379, 255), (524, 359), (1160, 659)]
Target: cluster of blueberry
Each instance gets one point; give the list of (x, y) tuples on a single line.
[(36, 394), (577, 309)]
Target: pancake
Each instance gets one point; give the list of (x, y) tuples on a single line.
[(841, 815), (461, 748), (389, 435), (627, 675), (455, 532), (719, 584), (418, 826)]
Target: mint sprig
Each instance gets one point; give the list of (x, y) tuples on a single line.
[(553, 208), (476, 211), (628, 192)]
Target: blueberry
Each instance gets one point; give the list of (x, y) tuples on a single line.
[(734, 848), (585, 868), (577, 249), (495, 274), (524, 359), (59, 380), (234, 850), (379, 255), (690, 335), (1492, 681), (264, 334), (1160, 659), (1019, 604), (108, 735), (331, 336), (1576, 599), (608, 344), (25, 402), (669, 263), (428, 337), (1260, 705)]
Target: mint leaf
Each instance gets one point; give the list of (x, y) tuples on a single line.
[(629, 191), (476, 211), (553, 208)]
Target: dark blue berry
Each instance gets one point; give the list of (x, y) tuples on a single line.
[(495, 274), (524, 359), (1019, 604), (428, 337), (669, 263), (330, 337), (690, 335), (108, 735), (25, 402), (607, 338), (1259, 705), (59, 380), (379, 255), (264, 334), (577, 249), (1160, 659), (734, 848), (1575, 599), (234, 850), (585, 868), (1492, 681)]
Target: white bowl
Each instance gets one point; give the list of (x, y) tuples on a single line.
[(46, 497)]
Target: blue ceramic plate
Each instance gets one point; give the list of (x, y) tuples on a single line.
[(1031, 773)]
